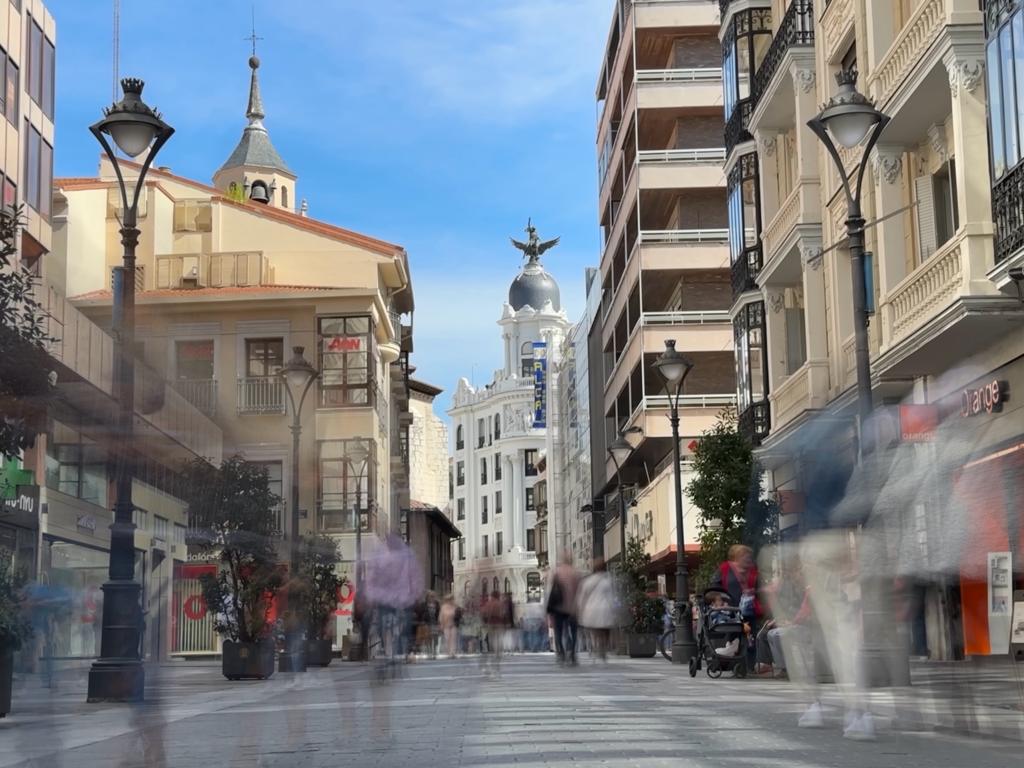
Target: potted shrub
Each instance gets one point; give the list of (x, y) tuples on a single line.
[(643, 612), (15, 628), (232, 519), (320, 558)]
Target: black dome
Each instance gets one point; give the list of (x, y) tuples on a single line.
[(535, 287)]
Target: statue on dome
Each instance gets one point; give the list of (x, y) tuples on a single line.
[(533, 247)]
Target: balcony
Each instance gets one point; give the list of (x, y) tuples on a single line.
[(754, 422), (675, 88), (708, 156), (663, 14), (737, 128), (683, 236), (1008, 212), (675, 169), (796, 30), (698, 413), (259, 395), (202, 393), (697, 317), (907, 50), (744, 271), (805, 389)]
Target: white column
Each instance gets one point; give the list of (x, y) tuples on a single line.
[(519, 510), (508, 501)]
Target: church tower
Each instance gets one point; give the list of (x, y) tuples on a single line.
[(255, 171)]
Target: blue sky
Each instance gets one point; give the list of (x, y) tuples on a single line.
[(437, 124)]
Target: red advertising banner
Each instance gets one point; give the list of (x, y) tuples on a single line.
[(918, 423)]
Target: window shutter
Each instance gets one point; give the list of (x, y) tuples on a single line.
[(217, 271), (926, 240), (163, 273)]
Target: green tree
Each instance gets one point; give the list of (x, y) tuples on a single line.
[(643, 612), (25, 366), (232, 518), (728, 491), (319, 560)]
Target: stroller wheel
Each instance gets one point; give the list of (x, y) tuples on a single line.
[(694, 666), (714, 670), (740, 670)]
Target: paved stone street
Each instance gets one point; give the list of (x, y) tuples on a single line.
[(630, 713)]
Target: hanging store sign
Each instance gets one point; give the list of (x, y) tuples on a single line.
[(540, 385), (918, 423), (988, 398)]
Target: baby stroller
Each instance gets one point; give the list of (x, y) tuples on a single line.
[(721, 636)]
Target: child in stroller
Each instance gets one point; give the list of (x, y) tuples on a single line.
[(721, 636)]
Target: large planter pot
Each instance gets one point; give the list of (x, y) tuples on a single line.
[(248, 661), (641, 645), (318, 653), (6, 681)]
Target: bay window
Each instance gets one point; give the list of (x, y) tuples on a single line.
[(347, 348)]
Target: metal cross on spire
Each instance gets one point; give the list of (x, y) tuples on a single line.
[(252, 37)]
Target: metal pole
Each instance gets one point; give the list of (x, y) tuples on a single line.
[(294, 657), (855, 232), (684, 646), (118, 674)]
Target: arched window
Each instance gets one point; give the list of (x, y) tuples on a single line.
[(284, 196), (495, 584), (483, 588), (526, 354), (460, 438), (508, 586)]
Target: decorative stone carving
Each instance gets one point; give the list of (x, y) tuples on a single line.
[(775, 302), (937, 141), (965, 75), (767, 145), (804, 79), (811, 256), (887, 164)]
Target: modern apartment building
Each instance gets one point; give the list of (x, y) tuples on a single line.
[(664, 270), (945, 339), (501, 429), (231, 282)]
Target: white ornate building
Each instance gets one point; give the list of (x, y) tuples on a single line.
[(500, 432)]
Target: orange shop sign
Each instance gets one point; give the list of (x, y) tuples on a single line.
[(988, 398), (918, 423)]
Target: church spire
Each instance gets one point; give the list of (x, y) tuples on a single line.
[(255, 111)]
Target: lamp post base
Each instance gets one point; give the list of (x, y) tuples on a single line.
[(683, 650), (116, 680)]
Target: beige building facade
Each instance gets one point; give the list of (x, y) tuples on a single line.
[(664, 269), (230, 284), (946, 319), (428, 447)]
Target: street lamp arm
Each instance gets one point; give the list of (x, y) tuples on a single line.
[(161, 138), (305, 391)]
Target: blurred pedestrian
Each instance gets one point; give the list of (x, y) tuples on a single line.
[(738, 576), (447, 618), (494, 616), (562, 609), (596, 605)]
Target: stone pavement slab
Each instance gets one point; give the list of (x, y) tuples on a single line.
[(447, 713)]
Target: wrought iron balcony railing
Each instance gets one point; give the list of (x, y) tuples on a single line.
[(1008, 213), (755, 422), (796, 29), (745, 269), (736, 129)]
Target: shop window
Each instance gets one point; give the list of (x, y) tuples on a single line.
[(346, 355)]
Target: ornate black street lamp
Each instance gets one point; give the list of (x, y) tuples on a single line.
[(620, 450), (849, 117), (298, 377), (118, 674), (358, 458), (674, 367)]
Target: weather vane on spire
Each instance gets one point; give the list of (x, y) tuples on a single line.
[(253, 38), (533, 247)]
